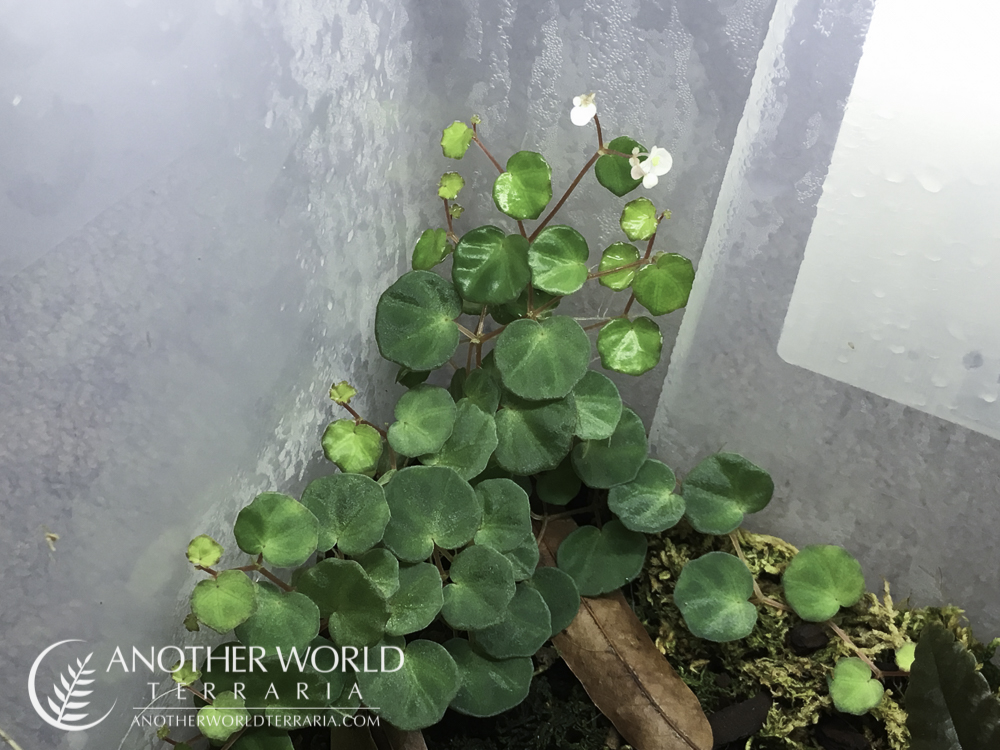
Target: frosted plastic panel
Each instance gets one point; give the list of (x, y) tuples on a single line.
[(915, 497), (898, 290)]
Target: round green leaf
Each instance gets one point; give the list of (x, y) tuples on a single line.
[(490, 267), (820, 580), (204, 551), (355, 608), (383, 568), (411, 378), (482, 389), (602, 560), (225, 716), (559, 486), (558, 260), (524, 557), (429, 505), (511, 311), (534, 436), (417, 695), (560, 593), (489, 687), (283, 620), (905, 655), (449, 185), (456, 387), (482, 584), (506, 514), (723, 487), (455, 140), (355, 448), (664, 286), (615, 172), (523, 191), (631, 347), (618, 255), (415, 321), (225, 601), (431, 249), (713, 593), (648, 503), (525, 626), (598, 406), (471, 444), (425, 417), (541, 360), (351, 509), (262, 738), (638, 219), (852, 688), (279, 527), (605, 463), (417, 601)]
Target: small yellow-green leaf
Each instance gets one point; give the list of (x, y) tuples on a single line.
[(638, 219), (905, 655), (184, 673), (821, 579), (449, 185), (616, 256), (191, 623), (523, 191), (852, 688), (664, 286), (204, 551), (432, 248), (278, 527), (355, 448), (615, 172), (713, 593), (224, 717), (225, 601), (631, 347), (455, 140), (558, 260), (343, 392)]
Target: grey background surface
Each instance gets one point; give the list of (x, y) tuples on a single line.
[(201, 202)]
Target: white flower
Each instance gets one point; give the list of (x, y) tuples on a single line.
[(658, 162), (583, 110)]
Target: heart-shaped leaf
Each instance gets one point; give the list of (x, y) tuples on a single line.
[(355, 608), (482, 584), (415, 321), (278, 527), (431, 249), (225, 601), (355, 448), (534, 436), (648, 503), (506, 514), (490, 267), (417, 695), (489, 687), (558, 260), (524, 557), (417, 602), (471, 443), (283, 620), (449, 185), (455, 140), (560, 593), (616, 256), (631, 347), (713, 593), (383, 568), (615, 172), (721, 489), (559, 486), (638, 219), (508, 313), (616, 460), (820, 580), (525, 626), (602, 560), (905, 655), (664, 286), (598, 406), (351, 509), (225, 716), (523, 191), (541, 360), (852, 688), (204, 551), (482, 389), (425, 418), (429, 505)]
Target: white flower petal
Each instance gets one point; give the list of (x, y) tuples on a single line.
[(637, 172), (650, 180), (583, 115), (661, 160), (577, 100)]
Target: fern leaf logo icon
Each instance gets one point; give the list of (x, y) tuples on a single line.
[(66, 700)]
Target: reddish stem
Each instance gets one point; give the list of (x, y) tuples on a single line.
[(566, 195), (496, 164), (600, 137)]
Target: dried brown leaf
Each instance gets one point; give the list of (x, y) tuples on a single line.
[(628, 679)]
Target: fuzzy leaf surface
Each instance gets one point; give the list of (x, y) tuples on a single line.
[(351, 509), (713, 593), (415, 321), (523, 191), (482, 584), (616, 460), (558, 260), (632, 347), (540, 360), (489, 686), (721, 489), (471, 443), (602, 560), (820, 580), (425, 418), (648, 503), (490, 267)]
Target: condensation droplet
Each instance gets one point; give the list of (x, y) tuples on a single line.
[(895, 348), (842, 359), (855, 191), (880, 293), (939, 381), (989, 398), (930, 184), (329, 305)]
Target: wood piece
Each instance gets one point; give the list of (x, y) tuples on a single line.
[(623, 672)]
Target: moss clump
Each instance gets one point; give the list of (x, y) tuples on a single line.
[(721, 674)]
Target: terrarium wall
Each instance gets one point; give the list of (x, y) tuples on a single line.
[(200, 205)]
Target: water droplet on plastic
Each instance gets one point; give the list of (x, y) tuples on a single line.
[(880, 293), (989, 398), (842, 359), (897, 348), (939, 381), (858, 192)]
